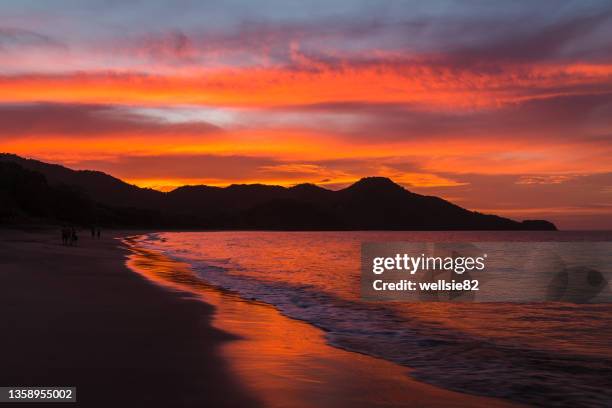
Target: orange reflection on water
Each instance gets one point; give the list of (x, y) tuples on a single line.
[(287, 363)]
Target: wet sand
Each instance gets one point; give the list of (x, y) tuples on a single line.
[(76, 316), (287, 363)]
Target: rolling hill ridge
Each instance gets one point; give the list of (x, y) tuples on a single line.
[(31, 189)]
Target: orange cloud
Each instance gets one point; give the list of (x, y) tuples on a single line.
[(408, 83), (484, 155)]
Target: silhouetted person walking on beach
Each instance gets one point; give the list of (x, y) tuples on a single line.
[(65, 235), (73, 236), (69, 236), (98, 233)]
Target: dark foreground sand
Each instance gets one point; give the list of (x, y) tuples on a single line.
[(78, 317)]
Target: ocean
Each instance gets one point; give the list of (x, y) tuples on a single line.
[(546, 354)]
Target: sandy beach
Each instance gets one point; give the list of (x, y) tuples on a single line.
[(77, 316)]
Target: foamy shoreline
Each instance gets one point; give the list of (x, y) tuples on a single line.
[(284, 362)]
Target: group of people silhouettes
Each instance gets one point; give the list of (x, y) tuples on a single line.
[(95, 232), (70, 237)]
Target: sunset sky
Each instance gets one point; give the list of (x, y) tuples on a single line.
[(503, 108)]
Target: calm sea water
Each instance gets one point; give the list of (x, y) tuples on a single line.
[(548, 354)]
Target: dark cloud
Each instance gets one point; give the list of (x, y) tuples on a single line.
[(80, 120), (16, 37), (582, 118), (173, 45), (524, 41), (480, 41), (456, 35)]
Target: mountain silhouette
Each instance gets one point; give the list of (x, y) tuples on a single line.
[(54, 192), (98, 185)]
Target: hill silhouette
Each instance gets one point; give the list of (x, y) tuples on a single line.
[(34, 189)]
